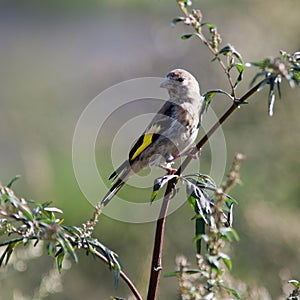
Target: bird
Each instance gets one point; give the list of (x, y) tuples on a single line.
[(169, 135)]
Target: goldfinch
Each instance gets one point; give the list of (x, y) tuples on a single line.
[(171, 132)]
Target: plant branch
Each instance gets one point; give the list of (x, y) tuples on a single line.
[(156, 265), (194, 21), (123, 276)]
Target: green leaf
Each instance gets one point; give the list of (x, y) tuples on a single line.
[(295, 283), (240, 69), (198, 198), (111, 256), (200, 231), (159, 183), (189, 35), (9, 185), (67, 246), (229, 201), (153, 195), (213, 261), (172, 274), (227, 50), (60, 259), (177, 20), (229, 233), (116, 275), (91, 249), (233, 292), (193, 271), (208, 96), (226, 259), (203, 237), (7, 253), (260, 64), (239, 57), (231, 52), (210, 25), (51, 249), (27, 212), (197, 208)]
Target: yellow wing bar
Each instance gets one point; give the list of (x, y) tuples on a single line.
[(143, 142)]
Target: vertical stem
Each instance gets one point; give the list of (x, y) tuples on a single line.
[(156, 264)]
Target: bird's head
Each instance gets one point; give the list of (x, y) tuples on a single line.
[(181, 83)]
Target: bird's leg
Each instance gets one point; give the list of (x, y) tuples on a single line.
[(168, 167), (193, 152)]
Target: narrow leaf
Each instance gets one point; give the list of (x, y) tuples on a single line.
[(210, 25), (208, 96), (60, 259), (189, 35), (233, 292), (27, 213), (226, 259), (200, 231), (295, 283), (240, 69), (53, 209), (177, 20), (271, 102), (172, 274), (67, 246), (159, 183), (9, 185)]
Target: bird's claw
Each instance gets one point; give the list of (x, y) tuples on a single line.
[(168, 168)]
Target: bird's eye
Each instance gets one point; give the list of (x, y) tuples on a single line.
[(180, 79)]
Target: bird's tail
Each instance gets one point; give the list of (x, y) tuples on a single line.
[(126, 173)]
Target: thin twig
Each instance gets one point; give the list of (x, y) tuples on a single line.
[(123, 276), (197, 26)]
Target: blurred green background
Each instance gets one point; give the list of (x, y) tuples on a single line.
[(56, 56)]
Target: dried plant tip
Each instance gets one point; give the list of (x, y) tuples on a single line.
[(216, 39), (181, 261), (239, 157), (197, 14), (234, 176)]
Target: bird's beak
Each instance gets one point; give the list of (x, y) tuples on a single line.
[(165, 83)]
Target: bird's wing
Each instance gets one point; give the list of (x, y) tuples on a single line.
[(157, 126), (160, 123)]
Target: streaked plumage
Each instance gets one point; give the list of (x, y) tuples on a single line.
[(171, 132)]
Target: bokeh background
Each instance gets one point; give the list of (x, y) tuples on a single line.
[(57, 55)]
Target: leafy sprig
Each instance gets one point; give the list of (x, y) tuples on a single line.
[(23, 220), (287, 67), (213, 224)]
